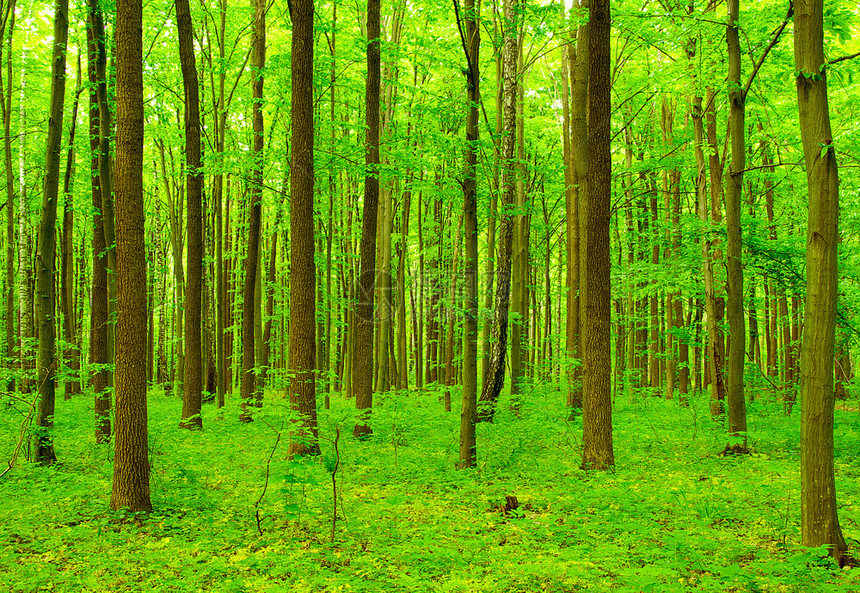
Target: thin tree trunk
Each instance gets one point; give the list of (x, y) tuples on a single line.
[(192, 385), (363, 355), (46, 295), (67, 262), (496, 375), (249, 382), (469, 409), (8, 17), (734, 188)]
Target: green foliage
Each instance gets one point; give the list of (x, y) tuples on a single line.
[(674, 516)]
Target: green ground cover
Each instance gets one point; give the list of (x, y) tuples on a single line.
[(233, 514)]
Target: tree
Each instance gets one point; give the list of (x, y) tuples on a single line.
[(131, 458), (734, 186), (46, 301), (495, 379), (99, 308), (249, 388), (7, 28), (469, 413), (597, 451), (819, 518), (362, 383), (576, 188), (302, 269), (193, 378)]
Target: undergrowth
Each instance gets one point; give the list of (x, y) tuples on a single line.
[(233, 513)]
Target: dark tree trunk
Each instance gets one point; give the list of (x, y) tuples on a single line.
[(131, 459), (46, 295), (363, 355), (249, 386), (302, 357), (193, 384)]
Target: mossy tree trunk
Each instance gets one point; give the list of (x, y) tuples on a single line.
[(819, 518)]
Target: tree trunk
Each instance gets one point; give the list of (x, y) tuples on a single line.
[(192, 385), (99, 297), (8, 17), (302, 357), (819, 518), (363, 355), (496, 375), (597, 452), (67, 261), (469, 410), (734, 188), (249, 383), (131, 460), (46, 296)]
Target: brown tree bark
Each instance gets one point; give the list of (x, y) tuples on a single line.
[(98, 352), (469, 410), (597, 451), (7, 29), (249, 321), (192, 385), (734, 188), (578, 61), (67, 261), (45, 289), (819, 517), (363, 354), (131, 460), (302, 357), (496, 374)]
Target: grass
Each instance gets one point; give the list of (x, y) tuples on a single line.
[(232, 513)]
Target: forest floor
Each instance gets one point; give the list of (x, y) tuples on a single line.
[(232, 513)]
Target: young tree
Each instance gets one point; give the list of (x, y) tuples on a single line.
[(819, 518), (597, 451), (495, 379), (7, 28), (362, 383), (99, 308), (469, 413), (46, 295), (249, 388), (734, 187), (302, 268), (131, 454), (193, 379)]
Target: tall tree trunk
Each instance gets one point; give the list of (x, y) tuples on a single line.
[(131, 459), (67, 260), (363, 355), (98, 53), (819, 518), (8, 18), (597, 452), (249, 378), (99, 298), (578, 59), (302, 355), (46, 295), (25, 309), (734, 188), (469, 410), (496, 375), (192, 399)]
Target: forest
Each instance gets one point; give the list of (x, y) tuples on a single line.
[(503, 296)]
